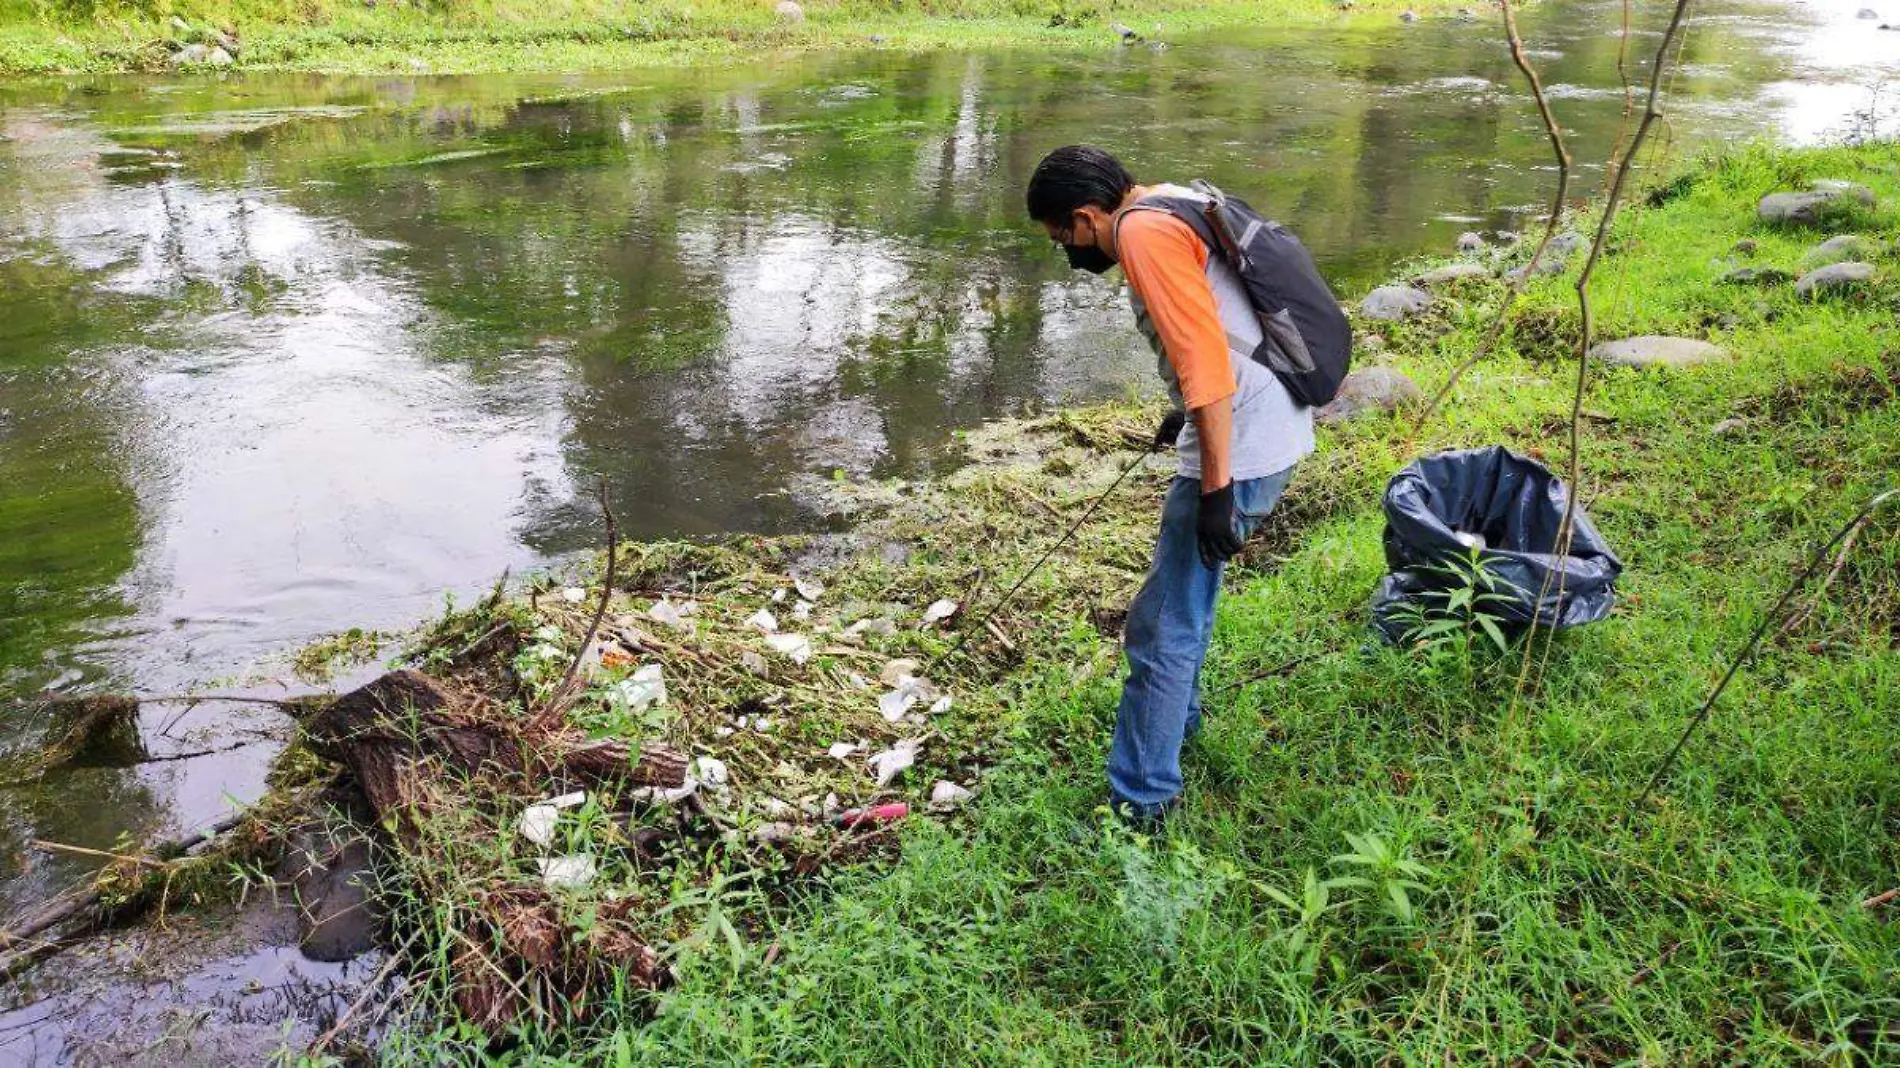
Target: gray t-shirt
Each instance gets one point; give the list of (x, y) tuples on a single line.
[(1272, 431)]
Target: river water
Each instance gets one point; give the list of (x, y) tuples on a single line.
[(285, 354)]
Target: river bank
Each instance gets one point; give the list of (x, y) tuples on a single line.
[(737, 921), (349, 37)]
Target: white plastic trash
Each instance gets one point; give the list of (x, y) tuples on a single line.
[(673, 615), (881, 626), (644, 688), (568, 873), (537, 824), (893, 705), (711, 771), (895, 671), (909, 692), (891, 762), (672, 797), (796, 646), (947, 794)]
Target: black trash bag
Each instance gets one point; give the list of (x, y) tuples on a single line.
[(1515, 504)]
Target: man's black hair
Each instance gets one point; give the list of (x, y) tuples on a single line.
[(1074, 176)]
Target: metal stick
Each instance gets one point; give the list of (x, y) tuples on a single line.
[(1037, 566), (1741, 657)]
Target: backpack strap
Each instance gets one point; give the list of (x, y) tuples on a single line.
[(1189, 210)]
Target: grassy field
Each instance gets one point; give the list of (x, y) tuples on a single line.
[(399, 36), (1386, 855)]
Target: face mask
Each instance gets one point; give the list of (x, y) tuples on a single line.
[(1088, 258)]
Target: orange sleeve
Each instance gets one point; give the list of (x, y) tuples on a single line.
[(1166, 263)]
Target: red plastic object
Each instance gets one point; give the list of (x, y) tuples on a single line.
[(864, 817)]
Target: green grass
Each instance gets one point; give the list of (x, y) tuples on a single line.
[(351, 36), (1719, 924)]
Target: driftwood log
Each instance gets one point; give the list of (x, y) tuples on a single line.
[(408, 724), (405, 737), (56, 923)]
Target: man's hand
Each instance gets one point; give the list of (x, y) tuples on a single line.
[(1170, 430), (1215, 527)]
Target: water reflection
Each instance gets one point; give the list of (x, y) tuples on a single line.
[(289, 354)]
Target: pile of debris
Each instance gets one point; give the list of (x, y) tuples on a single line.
[(565, 781)]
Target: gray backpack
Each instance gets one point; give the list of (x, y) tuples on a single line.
[(1305, 338)]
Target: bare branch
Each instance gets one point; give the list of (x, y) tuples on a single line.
[(1554, 131), (1629, 99), (557, 703), (1652, 111)]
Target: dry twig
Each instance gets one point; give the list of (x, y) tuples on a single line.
[(564, 693), (1554, 132)]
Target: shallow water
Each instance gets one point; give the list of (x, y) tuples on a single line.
[(285, 354)]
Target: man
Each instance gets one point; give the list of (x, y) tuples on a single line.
[(1237, 432)]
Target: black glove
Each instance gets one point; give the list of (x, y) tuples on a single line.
[(1215, 527), (1170, 430)]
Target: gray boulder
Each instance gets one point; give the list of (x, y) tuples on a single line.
[(1833, 278), (1811, 207), (1656, 350), (789, 11), (1564, 246), (1844, 248), (1372, 389), (1454, 272), (1556, 256), (220, 58), (190, 56), (1390, 304)]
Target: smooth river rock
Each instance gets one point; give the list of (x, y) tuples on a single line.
[(1390, 304), (1555, 258), (1844, 248), (1372, 389), (1656, 350), (1453, 273), (1808, 208), (1833, 277)]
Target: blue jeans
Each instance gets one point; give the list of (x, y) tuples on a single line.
[(1167, 633)]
